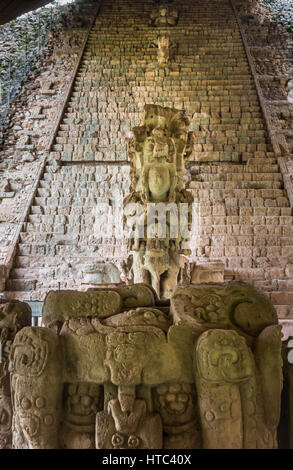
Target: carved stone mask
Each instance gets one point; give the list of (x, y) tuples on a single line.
[(125, 357), (159, 181)]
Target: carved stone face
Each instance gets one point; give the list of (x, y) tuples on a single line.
[(125, 357), (159, 182), (161, 149), (175, 402)]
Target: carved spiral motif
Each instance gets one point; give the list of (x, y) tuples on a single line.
[(120, 441), (223, 356), (133, 442), (29, 354), (30, 423)]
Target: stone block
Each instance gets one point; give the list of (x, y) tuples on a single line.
[(208, 273)]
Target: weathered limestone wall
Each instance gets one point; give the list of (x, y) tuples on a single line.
[(245, 219)]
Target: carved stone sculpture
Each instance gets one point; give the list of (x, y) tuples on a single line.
[(208, 273), (163, 49), (13, 316), (158, 152), (114, 369), (164, 15)]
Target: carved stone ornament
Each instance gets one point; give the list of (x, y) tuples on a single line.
[(163, 49), (158, 152), (164, 15), (205, 372), (13, 316)]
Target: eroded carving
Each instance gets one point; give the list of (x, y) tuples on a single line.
[(13, 316), (127, 424), (35, 365), (203, 373), (164, 15), (158, 152), (163, 49)]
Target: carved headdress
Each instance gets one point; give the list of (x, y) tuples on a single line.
[(162, 140)]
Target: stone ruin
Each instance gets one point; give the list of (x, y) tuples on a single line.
[(153, 364)]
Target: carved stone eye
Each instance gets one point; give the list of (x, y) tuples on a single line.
[(117, 439), (133, 442)]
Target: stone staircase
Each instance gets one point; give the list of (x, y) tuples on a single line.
[(246, 222), (245, 217), (58, 239), (119, 74)]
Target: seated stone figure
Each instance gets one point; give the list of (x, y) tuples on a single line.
[(164, 15), (116, 369)]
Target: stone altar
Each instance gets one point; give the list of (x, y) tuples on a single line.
[(117, 369)]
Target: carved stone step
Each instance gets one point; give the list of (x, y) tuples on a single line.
[(32, 273)]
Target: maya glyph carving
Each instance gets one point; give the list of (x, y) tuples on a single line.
[(159, 150)]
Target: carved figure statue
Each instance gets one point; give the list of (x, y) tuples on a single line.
[(158, 152), (164, 15), (112, 369), (13, 316)]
